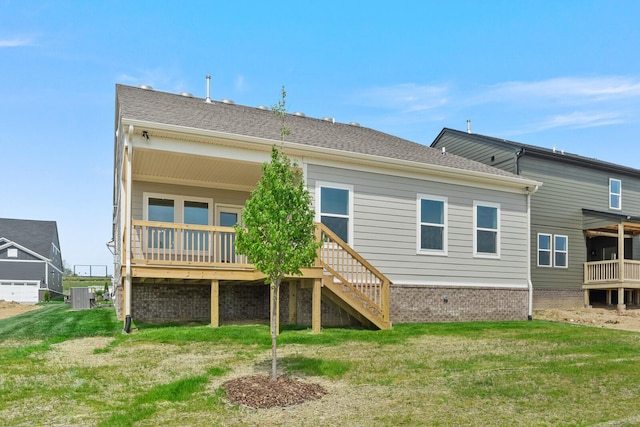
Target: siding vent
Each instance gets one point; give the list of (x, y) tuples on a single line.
[(444, 151)]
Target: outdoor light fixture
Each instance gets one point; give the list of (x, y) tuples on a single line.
[(145, 135)]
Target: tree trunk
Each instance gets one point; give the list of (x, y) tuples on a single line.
[(274, 313)]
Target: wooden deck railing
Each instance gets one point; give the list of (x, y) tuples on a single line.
[(170, 244), (609, 271), (353, 271), (185, 244)]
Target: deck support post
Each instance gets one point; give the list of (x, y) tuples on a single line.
[(316, 306), (609, 297), (621, 305), (586, 299), (215, 298), (272, 289), (293, 302)]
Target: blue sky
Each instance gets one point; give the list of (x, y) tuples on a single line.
[(548, 73)]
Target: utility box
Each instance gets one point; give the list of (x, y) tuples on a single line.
[(82, 298)]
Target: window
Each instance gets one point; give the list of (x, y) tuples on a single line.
[(180, 210), (544, 250), (556, 244), (12, 253), (615, 194), (560, 251), (486, 236), (432, 225), (335, 209)]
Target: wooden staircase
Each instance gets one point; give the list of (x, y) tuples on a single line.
[(351, 282)]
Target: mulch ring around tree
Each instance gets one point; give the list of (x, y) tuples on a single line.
[(260, 392)]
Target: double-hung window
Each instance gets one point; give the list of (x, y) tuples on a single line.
[(432, 225), (560, 251), (553, 250), (544, 250), (486, 233), (335, 209), (615, 193)]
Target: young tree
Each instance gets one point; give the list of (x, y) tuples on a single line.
[(278, 231)]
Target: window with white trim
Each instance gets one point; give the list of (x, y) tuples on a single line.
[(12, 253), (560, 251), (432, 225), (335, 209), (544, 250), (486, 229), (181, 210), (615, 193), (553, 250)]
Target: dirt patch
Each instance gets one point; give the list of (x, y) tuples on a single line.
[(259, 391), (602, 317), (11, 308)]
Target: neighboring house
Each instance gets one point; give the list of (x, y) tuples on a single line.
[(411, 234), (30, 260), (585, 220)]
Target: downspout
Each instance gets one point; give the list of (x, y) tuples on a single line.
[(127, 280), (529, 282)]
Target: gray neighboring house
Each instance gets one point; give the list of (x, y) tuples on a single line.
[(30, 260), (417, 234), (585, 220)]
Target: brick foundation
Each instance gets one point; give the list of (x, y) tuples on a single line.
[(191, 302), (418, 303), (544, 299)]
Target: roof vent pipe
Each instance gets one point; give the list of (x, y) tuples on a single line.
[(468, 126), (208, 98)]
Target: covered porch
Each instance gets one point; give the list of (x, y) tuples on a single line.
[(613, 264)]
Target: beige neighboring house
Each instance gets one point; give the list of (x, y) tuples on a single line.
[(411, 233)]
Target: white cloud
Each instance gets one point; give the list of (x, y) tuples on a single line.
[(241, 83), (574, 120), (568, 90), (15, 42), (408, 97)]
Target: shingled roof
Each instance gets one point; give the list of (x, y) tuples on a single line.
[(547, 153), (175, 109), (31, 234)]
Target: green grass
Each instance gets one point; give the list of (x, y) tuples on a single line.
[(79, 366)]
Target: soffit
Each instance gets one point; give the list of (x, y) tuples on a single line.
[(171, 167)]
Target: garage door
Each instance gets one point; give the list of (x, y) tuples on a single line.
[(24, 292)]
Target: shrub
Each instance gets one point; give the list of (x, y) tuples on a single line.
[(47, 296)]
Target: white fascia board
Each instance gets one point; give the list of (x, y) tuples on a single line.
[(22, 248), (473, 178)]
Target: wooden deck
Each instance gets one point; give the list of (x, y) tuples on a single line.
[(162, 250), (604, 274)]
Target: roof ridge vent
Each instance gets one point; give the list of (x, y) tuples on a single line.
[(227, 101), (145, 87), (354, 124), (262, 107), (329, 119), (186, 94), (299, 114)]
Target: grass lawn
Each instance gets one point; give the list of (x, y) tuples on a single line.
[(62, 367)]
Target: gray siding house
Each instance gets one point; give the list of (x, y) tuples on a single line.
[(585, 220), (410, 234), (30, 260)]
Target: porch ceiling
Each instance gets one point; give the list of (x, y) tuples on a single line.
[(187, 169), (630, 229)]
